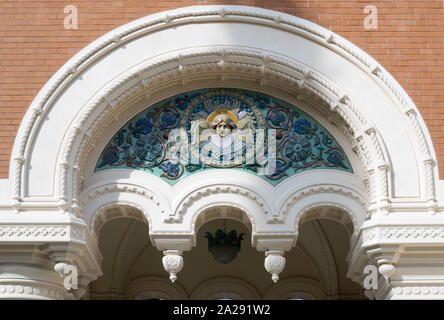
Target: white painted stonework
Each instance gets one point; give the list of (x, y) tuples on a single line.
[(53, 204)]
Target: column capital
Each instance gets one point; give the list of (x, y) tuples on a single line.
[(274, 241), (172, 241)]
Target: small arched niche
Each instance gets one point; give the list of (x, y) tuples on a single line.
[(325, 235), (122, 234)]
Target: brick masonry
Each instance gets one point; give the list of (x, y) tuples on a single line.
[(409, 43)]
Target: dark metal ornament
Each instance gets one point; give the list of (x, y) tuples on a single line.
[(224, 246)]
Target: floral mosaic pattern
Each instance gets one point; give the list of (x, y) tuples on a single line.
[(158, 140)]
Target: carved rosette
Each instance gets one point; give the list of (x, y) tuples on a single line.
[(274, 263), (172, 263)]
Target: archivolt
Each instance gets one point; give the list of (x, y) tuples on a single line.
[(145, 202), (146, 80), (335, 207), (104, 214), (349, 198), (207, 192)]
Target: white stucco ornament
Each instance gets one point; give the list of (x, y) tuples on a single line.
[(61, 268), (274, 263), (387, 270), (172, 263)]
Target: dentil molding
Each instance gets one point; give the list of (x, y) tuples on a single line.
[(30, 291)]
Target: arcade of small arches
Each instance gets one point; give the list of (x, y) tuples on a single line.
[(314, 269), (355, 181)]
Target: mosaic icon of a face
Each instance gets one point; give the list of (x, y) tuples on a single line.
[(223, 129), (223, 125)]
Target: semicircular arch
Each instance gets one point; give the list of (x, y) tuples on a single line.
[(189, 62)]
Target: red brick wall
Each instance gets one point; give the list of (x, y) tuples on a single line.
[(409, 43)]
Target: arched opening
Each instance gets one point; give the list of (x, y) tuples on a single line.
[(316, 268), (135, 164), (327, 243), (237, 279), (127, 255), (132, 267)]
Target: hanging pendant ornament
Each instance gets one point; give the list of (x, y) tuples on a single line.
[(172, 262), (274, 263)]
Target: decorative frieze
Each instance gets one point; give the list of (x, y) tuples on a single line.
[(182, 135), (412, 291), (11, 290), (31, 233)]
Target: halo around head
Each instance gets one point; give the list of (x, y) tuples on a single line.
[(217, 112)]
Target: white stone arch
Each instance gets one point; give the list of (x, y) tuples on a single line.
[(217, 210), (101, 216), (199, 201), (352, 212), (119, 194), (346, 90), (331, 212), (317, 182), (220, 201), (298, 73), (374, 181)]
